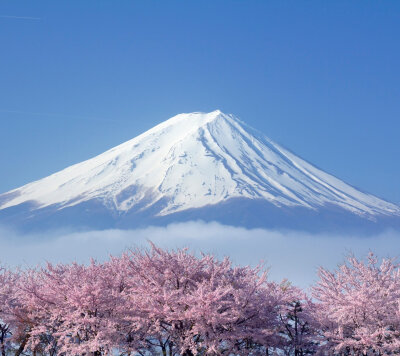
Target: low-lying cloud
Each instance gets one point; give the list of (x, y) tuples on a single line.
[(289, 254)]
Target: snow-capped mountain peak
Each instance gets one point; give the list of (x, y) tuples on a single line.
[(193, 161)]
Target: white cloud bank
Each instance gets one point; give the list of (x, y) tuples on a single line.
[(290, 254)]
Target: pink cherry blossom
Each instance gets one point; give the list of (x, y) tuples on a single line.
[(358, 307)]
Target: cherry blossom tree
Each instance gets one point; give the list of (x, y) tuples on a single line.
[(160, 302), (7, 282), (178, 303), (358, 307), (81, 302), (22, 313), (298, 326), (63, 309)]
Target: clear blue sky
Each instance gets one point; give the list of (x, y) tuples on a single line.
[(320, 77)]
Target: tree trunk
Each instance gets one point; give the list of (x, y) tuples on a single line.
[(171, 353), (3, 334), (22, 346)]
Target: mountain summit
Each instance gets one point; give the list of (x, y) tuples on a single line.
[(199, 165)]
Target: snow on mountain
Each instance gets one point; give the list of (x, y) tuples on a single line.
[(193, 161)]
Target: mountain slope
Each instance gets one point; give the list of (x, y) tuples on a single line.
[(193, 161)]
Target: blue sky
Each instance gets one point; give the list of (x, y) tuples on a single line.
[(320, 77)]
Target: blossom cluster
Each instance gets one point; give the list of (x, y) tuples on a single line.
[(160, 302)]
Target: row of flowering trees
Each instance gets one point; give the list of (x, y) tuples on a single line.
[(159, 302)]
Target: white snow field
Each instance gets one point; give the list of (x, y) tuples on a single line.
[(191, 161)]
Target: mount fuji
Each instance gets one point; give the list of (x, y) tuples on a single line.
[(208, 166)]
